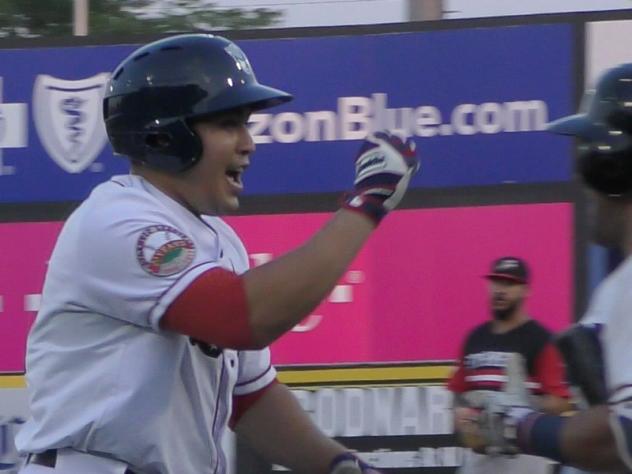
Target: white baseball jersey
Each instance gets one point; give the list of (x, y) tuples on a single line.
[(611, 312), (102, 376)]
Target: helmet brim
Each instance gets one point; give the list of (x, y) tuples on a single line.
[(253, 96), (578, 125)]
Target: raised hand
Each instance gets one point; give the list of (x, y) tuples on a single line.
[(383, 168)]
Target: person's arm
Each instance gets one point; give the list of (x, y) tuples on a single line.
[(549, 372), (456, 385), (252, 310), (462, 411), (277, 428), (282, 292), (587, 441), (465, 428)]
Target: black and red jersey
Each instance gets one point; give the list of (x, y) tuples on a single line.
[(485, 355)]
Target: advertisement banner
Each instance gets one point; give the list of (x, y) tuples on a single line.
[(411, 294), (26, 250), (477, 121), (416, 288)]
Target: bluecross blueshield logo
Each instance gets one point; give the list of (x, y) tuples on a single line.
[(68, 119), (13, 130)]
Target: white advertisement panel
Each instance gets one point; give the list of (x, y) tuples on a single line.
[(607, 45)]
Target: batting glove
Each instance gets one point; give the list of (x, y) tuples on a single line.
[(347, 463), (500, 423), (505, 413), (383, 168)]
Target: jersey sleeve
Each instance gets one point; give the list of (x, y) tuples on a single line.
[(615, 340), (255, 372), (549, 372), (132, 269), (456, 382)]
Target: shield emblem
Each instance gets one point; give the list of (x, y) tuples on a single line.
[(69, 120)]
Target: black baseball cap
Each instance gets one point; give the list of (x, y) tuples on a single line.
[(509, 268)]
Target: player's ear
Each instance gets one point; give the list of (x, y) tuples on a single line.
[(158, 140)]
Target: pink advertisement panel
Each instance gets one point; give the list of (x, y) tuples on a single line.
[(26, 249), (411, 295), (416, 288)]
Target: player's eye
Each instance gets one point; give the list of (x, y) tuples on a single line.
[(230, 122)]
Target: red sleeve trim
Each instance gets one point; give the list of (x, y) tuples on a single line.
[(242, 403), (213, 309), (456, 383), (549, 371)]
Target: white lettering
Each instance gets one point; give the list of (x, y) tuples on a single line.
[(355, 118), (258, 126), (379, 111), (460, 119), (489, 118), (487, 359), (524, 116), (353, 411), (326, 411), (260, 258), (379, 411), (308, 324), (427, 119), (324, 120), (400, 120), (287, 127)]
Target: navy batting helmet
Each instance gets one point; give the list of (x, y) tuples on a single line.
[(604, 130), (155, 92)]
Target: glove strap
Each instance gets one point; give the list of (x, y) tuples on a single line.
[(348, 458), (370, 206), (540, 434)]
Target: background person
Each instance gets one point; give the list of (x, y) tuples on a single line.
[(485, 352), (598, 438)]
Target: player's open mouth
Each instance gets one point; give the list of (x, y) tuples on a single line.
[(234, 177)]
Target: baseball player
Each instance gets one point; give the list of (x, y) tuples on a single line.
[(152, 338), (486, 353), (598, 438)]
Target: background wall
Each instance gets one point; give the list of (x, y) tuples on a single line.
[(476, 97)]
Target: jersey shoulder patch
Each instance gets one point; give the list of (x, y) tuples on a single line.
[(162, 250)]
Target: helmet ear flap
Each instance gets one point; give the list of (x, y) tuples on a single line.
[(607, 172), (158, 141), (620, 119), (173, 148)]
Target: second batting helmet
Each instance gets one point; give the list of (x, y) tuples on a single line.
[(155, 92), (604, 131)]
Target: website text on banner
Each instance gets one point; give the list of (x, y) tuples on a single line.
[(465, 114)]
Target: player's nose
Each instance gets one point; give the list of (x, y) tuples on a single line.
[(246, 143)]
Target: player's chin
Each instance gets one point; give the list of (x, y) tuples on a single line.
[(229, 205)]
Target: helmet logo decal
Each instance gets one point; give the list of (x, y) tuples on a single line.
[(68, 119), (240, 58), (163, 250)]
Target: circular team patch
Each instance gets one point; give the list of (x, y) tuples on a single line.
[(163, 250)]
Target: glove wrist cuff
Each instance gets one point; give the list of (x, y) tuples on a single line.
[(348, 463), (371, 207), (540, 434), (342, 457)]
